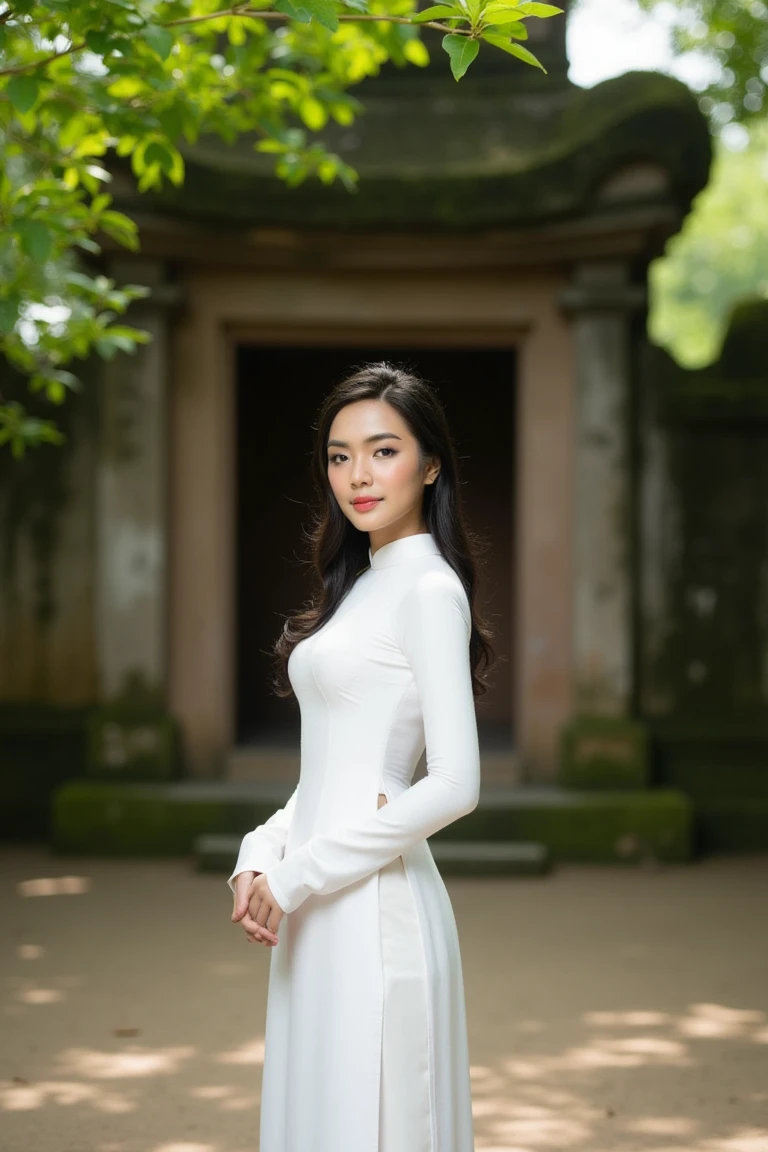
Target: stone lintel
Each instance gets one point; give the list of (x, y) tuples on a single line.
[(600, 286)]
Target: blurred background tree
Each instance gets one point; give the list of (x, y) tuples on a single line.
[(733, 36), (83, 79), (721, 255)]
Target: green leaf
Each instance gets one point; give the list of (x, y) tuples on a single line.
[(159, 39), (157, 153), (513, 49), (342, 113), (439, 12), (35, 239), (22, 92), (415, 52), (296, 12), (270, 146), (114, 341), (126, 87), (99, 42), (313, 113), (9, 314), (510, 27), (462, 51), (324, 11), (172, 122), (530, 9)]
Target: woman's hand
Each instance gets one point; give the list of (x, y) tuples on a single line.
[(256, 908)]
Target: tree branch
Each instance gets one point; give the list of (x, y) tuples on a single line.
[(251, 13), (270, 14), (41, 63)]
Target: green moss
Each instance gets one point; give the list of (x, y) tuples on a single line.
[(143, 819), (703, 659), (165, 819), (132, 742), (434, 155), (603, 752), (597, 827)]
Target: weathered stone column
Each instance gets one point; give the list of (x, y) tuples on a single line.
[(131, 514), (601, 301)]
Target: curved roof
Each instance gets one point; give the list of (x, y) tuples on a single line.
[(436, 155)]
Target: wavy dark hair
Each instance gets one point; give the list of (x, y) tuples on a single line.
[(339, 551)]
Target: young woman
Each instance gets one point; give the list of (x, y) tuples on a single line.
[(366, 1040)]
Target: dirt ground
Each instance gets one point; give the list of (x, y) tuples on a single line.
[(610, 1010)]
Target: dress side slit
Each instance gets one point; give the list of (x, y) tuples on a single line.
[(404, 1110)]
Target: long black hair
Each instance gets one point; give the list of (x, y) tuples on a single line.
[(339, 551)]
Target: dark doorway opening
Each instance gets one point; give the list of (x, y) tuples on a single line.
[(279, 392)]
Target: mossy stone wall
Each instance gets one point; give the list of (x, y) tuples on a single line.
[(703, 605)]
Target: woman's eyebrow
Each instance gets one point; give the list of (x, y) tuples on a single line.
[(368, 439)]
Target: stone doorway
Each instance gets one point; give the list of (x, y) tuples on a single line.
[(278, 392)]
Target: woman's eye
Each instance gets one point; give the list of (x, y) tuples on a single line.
[(340, 455)]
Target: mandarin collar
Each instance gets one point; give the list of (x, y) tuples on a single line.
[(405, 548)]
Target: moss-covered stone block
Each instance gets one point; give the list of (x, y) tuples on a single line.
[(41, 747), (593, 827), (604, 752), (132, 743), (165, 819), (160, 819)]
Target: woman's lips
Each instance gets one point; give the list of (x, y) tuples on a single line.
[(365, 505)]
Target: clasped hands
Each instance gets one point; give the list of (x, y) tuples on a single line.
[(255, 906)]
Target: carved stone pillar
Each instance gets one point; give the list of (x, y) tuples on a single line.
[(131, 515), (601, 301)]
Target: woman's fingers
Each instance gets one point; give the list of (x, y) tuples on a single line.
[(242, 883), (253, 927), (269, 911)]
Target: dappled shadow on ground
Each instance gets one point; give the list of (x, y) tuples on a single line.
[(620, 1011), (610, 1010), (636, 1080)]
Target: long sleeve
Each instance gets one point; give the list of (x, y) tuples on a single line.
[(433, 627), (264, 846)]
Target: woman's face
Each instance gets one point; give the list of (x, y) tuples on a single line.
[(373, 459)]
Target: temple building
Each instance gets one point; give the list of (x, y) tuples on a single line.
[(498, 244)]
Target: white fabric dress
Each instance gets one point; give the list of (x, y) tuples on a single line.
[(369, 939)]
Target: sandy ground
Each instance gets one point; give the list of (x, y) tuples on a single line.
[(609, 1009)]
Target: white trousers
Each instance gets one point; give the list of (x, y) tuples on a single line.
[(404, 1116)]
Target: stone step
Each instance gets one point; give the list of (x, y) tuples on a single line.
[(217, 853)]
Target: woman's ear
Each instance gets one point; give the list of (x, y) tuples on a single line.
[(432, 472)]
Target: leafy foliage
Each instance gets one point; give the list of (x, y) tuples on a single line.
[(81, 80), (720, 257), (734, 35)]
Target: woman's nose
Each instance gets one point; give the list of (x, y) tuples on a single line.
[(360, 474)]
